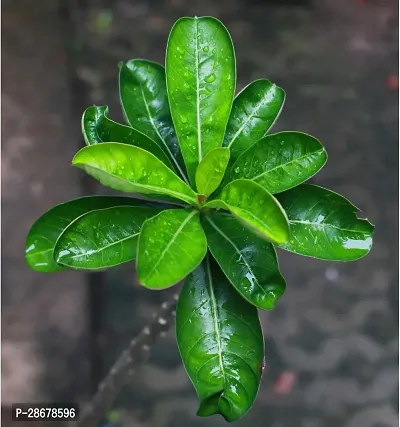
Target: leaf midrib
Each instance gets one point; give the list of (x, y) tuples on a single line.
[(207, 183), (282, 165), (63, 230), (238, 251), (161, 138), (249, 117), (257, 219), (327, 225), (173, 238), (161, 190), (99, 116), (99, 250), (200, 154), (214, 313)]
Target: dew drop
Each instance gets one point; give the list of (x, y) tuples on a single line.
[(237, 169), (214, 50), (211, 78), (206, 49), (183, 119)]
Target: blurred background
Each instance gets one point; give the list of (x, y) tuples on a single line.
[(332, 341)]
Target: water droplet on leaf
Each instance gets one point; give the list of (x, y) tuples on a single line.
[(211, 78)]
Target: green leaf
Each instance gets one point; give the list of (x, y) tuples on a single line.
[(254, 111), (171, 245), (211, 170), (97, 128), (255, 208), (280, 161), (144, 101), (325, 225), (221, 343), (127, 168), (201, 79), (102, 238), (250, 263), (44, 233)]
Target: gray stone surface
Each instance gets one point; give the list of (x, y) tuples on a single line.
[(43, 316)]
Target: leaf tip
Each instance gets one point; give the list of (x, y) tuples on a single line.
[(220, 404), (77, 159)]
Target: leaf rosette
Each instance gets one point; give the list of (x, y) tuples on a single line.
[(211, 194)]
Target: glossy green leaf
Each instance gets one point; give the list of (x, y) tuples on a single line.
[(102, 238), (254, 111), (130, 169), (211, 170), (221, 343), (255, 208), (325, 225), (201, 79), (250, 263), (97, 128), (145, 105), (44, 233), (171, 245), (280, 161)]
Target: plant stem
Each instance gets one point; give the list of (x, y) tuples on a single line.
[(126, 364)]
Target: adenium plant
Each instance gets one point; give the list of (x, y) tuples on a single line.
[(220, 195)]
